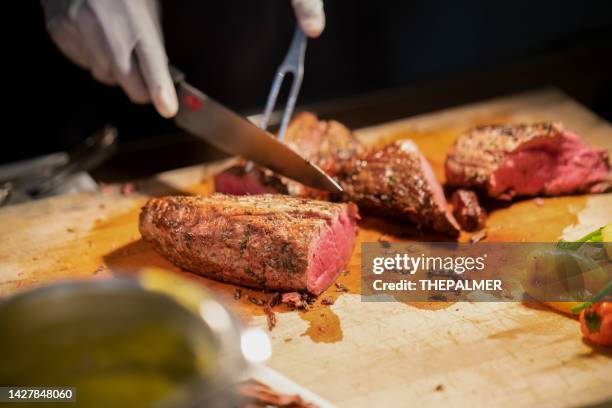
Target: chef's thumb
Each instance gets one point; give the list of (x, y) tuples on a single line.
[(310, 16), (153, 65)]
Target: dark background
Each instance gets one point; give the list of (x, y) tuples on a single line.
[(375, 61)]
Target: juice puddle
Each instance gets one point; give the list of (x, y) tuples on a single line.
[(528, 221), (324, 325)]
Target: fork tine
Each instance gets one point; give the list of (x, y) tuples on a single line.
[(272, 96), (293, 94), (294, 64)]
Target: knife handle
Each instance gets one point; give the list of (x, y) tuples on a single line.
[(176, 74)]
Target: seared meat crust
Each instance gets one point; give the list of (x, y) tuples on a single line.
[(263, 241)]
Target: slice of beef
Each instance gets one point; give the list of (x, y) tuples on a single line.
[(265, 241), (505, 161), (237, 180), (397, 181), (328, 144), (467, 210), (325, 143)]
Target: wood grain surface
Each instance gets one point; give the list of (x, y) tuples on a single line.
[(365, 354)]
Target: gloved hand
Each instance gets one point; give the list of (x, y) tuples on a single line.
[(310, 15), (120, 42)]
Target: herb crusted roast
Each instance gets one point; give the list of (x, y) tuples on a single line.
[(266, 241), (394, 180), (397, 181), (504, 161)]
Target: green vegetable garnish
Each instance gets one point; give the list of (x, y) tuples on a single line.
[(599, 296), (594, 236)]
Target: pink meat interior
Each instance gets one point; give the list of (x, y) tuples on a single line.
[(432, 182), (551, 167), (245, 184), (330, 253)]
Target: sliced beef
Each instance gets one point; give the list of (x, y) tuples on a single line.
[(467, 210), (326, 143), (265, 241), (505, 161), (397, 181), (237, 180)]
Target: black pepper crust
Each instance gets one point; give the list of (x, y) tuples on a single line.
[(257, 241), (390, 181)]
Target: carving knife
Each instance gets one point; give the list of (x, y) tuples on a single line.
[(204, 117)]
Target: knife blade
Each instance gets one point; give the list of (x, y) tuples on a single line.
[(204, 117)]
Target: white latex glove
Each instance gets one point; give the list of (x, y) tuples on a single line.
[(310, 15), (120, 42)]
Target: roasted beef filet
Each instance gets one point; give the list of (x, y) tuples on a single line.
[(395, 180), (467, 210), (266, 241), (505, 161)]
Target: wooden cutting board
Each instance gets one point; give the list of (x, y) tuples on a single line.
[(365, 354)]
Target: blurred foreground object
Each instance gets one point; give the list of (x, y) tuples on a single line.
[(153, 340), (59, 173)]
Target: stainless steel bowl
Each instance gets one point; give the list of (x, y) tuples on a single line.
[(120, 343)]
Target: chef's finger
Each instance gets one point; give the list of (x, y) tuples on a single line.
[(310, 15), (95, 42), (154, 69), (153, 64), (133, 84)]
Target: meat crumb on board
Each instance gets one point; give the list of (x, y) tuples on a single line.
[(478, 236), (274, 300), (270, 317), (328, 301), (384, 242), (237, 294), (256, 301), (297, 300), (340, 287), (294, 300)]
